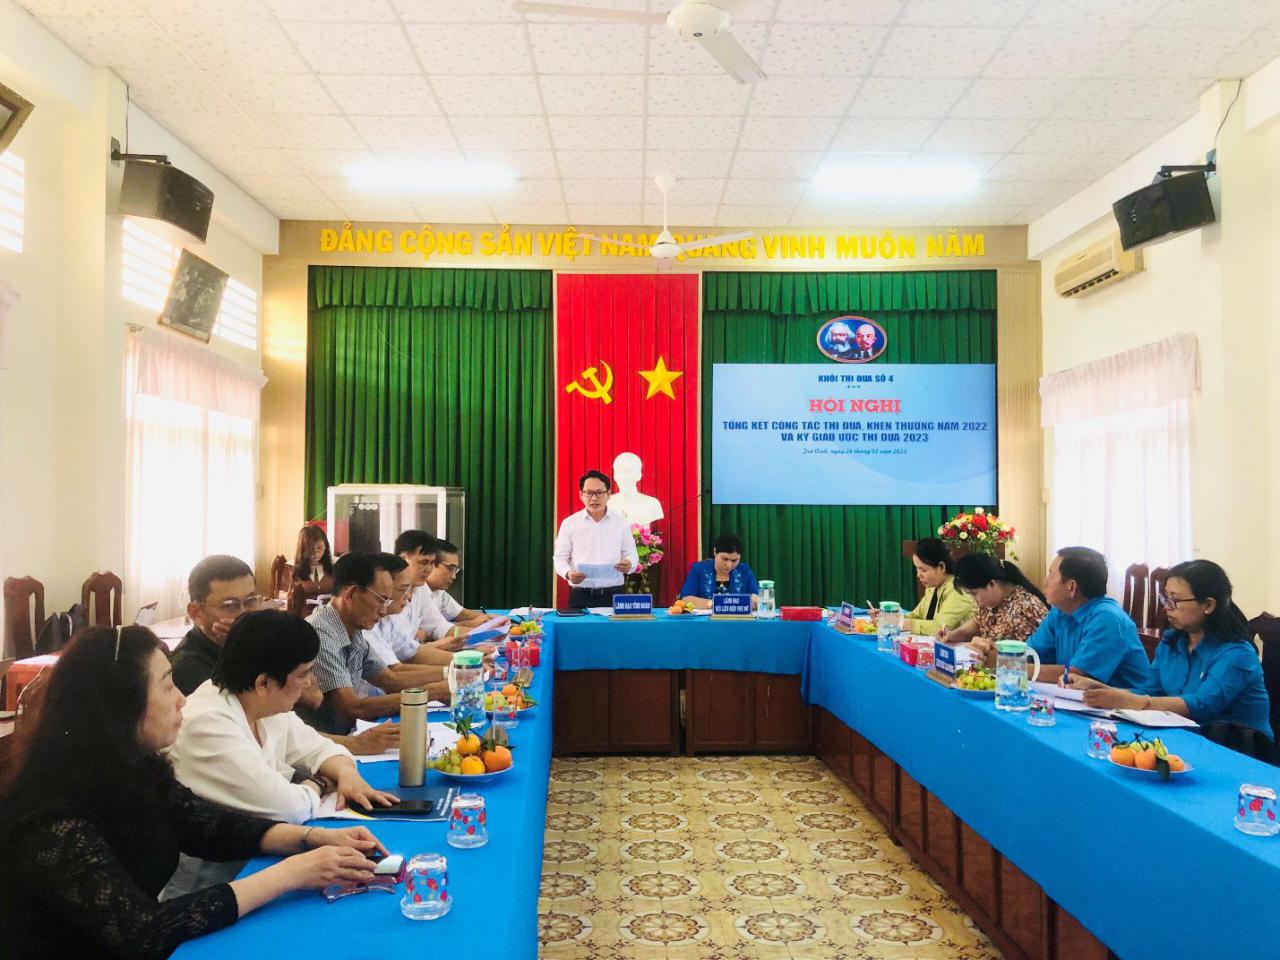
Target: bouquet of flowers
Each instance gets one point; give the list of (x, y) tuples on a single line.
[(649, 546), (980, 532)]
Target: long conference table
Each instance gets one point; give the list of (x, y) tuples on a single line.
[(1055, 855)]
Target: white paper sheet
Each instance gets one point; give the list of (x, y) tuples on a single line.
[(1057, 692), (599, 576), (443, 737), (601, 611), (525, 611), (1156, 718)]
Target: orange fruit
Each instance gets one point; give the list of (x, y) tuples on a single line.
[(471, 765), (1176, 764), (499, 758), (469, 746), (509, 690), (1145, 760), (1122, 756)]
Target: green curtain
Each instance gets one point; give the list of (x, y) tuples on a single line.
[(441, 377), (825, 554)]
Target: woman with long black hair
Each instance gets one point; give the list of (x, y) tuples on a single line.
[(1010, 606), (92, 824)]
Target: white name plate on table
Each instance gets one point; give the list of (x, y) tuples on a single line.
[(731, 606)]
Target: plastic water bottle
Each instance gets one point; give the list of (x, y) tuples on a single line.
[(888, 626), (766, 607)]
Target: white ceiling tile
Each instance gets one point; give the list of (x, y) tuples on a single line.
[(691, 133), (622, 214), (687, 191), (597, 133), (180, 88), (595, 163), (1199, 14), (895, 98), (668, 53), (326, 163), (578, 192), (683, 215), (979, 163), (1104, 16), (752, 216), (803, 96), (889, 134), (1137, 135), (1157, 53), (488, 96), (381, 96), (237, 46), (977, 136), (587, 48), (108, 41), (307, 210), (948, 13), (495, 133), (612, 96), (217, 127), (1054, 166), (777, 133), (529, 164), (978, 214), (174, 12), (710, 95), (321, 133), (866, 13), (437, 210), (1073, 136), (296, 93), (389, 211), (1025, 192), (42, 9), (948, 51), (532, 191), (548, 213), (687, 163), (283, 188), (473, 48), (830, 51), (775, 164), (453, 11), (385, 134), (763, 192), (1053, 53), (635, 6), (347, 11), (236, 161), (999, 99), (1133, 99), (345, 47)]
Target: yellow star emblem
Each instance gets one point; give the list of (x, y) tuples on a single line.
[(660, 379)]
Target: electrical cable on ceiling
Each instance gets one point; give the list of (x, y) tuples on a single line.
[(1239, 87), (127, 103)]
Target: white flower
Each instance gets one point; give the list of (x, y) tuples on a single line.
[(978, 510), (964, 536), (940, 529)]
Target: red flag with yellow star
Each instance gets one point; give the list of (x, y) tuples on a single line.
[(627, 382)]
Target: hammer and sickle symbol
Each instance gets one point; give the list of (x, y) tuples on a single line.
[(596, 390)]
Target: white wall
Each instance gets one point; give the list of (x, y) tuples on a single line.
[(1218, 283), (62, 413)]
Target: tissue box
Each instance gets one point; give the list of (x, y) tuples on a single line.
[(801, 613)]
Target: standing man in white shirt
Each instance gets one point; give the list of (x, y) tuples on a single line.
[(594, 549)]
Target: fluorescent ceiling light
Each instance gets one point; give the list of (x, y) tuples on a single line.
[(883, 180), (429, 177)]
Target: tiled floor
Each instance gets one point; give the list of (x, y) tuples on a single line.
[(731, 858)]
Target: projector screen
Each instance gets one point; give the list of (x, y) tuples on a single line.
[(877, 434)]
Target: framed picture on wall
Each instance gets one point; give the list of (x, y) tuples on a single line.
[(14, 111), (195, 297)]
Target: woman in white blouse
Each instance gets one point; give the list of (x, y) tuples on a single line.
[(242, 745)]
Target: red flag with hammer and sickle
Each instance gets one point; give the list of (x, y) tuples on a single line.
[(627, 381)]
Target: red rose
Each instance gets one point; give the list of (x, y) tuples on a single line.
[(980, 521)]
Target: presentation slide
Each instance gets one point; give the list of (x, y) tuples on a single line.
[(882, 434)]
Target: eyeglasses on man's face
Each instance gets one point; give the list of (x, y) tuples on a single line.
[(233, 605), (595, 494), (454, 568), (384, 602)]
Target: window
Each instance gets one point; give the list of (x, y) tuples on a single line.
[(12, 201), (147, 266), (1121, 480)]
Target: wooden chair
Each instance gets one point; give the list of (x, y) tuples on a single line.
[(1135, 593), (281, 576), (21, 622), (106, 590), (1267, 627), (299, 593), (1157, 618)]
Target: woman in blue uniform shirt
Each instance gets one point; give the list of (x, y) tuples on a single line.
[(722, 572), (1206, 666)]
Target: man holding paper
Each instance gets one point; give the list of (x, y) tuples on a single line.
[(594, 548)]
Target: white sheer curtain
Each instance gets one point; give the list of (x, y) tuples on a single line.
[(193, 419), (1121, 478)]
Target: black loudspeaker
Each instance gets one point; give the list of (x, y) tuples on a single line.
[(157, 191), (1166, 207)]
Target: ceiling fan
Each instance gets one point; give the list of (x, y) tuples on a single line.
[(665, 249), (702, 20)]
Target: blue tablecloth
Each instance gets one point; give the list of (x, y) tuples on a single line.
[(1155, 870), (495, 887), (685, 642)]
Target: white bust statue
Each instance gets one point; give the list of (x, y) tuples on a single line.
[(635, 506)]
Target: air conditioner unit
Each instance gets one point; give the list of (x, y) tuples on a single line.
[(1095, 267)]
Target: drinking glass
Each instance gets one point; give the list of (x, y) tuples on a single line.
[(1102, 736), (1040, 712), (1256, 811), (426, 887), (467, 827)]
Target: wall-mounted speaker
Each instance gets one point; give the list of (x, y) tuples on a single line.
[(1167, 207), (158, 191)]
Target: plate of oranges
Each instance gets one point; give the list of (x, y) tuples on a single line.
[(1148, 757)]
